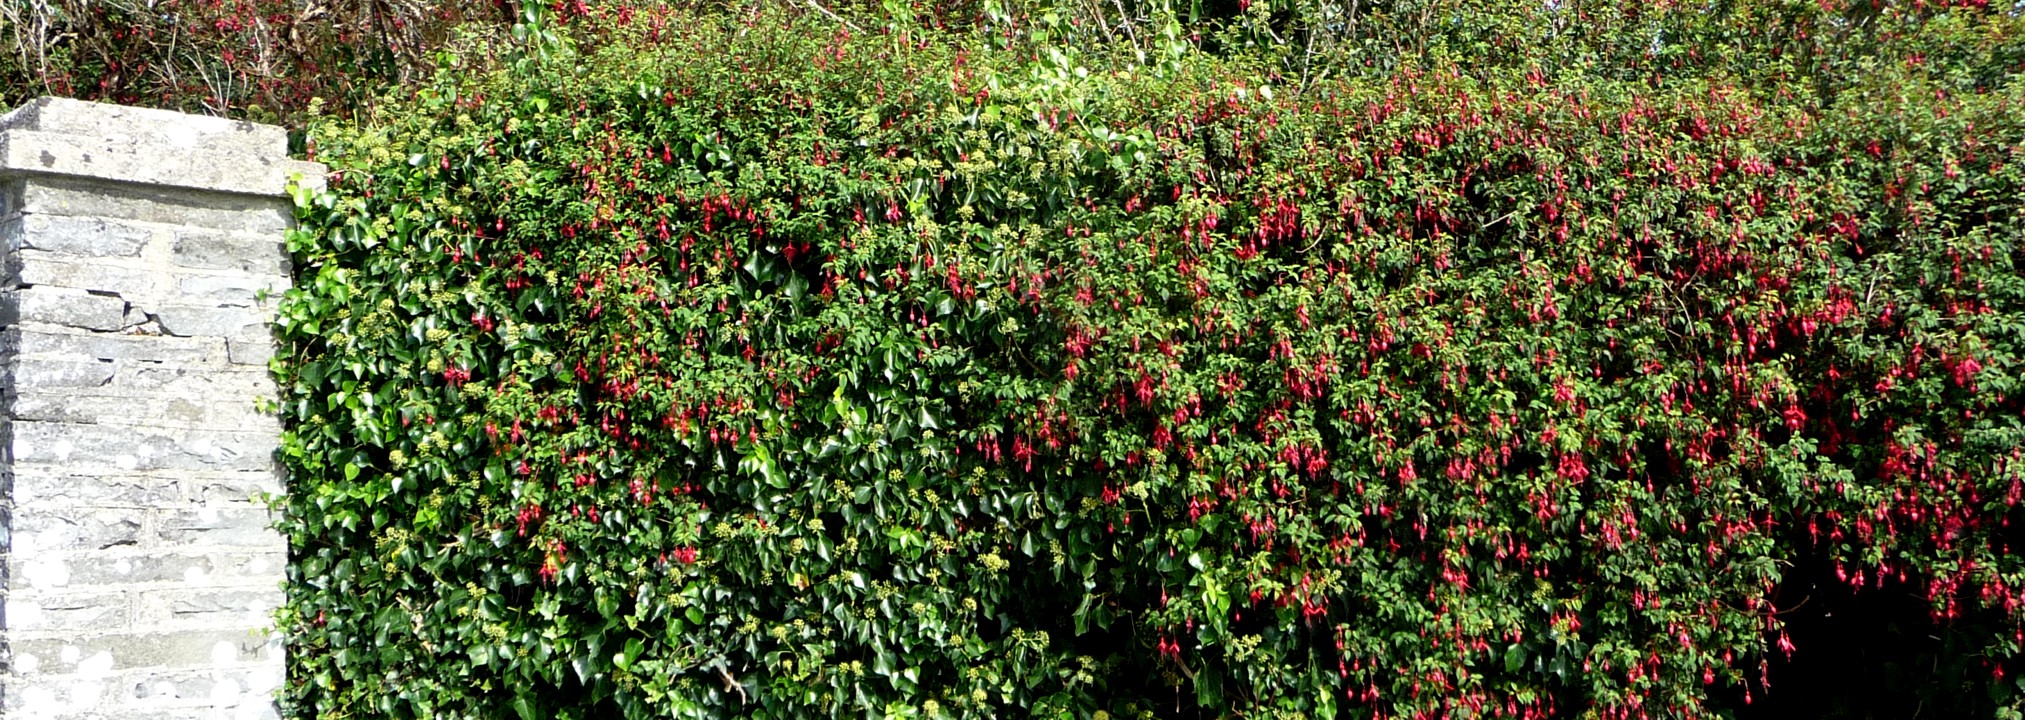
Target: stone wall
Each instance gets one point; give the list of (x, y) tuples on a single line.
[(143, 250)]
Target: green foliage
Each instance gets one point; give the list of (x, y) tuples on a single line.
[(739, 364)]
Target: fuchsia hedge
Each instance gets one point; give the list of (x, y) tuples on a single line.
[(740, 365)]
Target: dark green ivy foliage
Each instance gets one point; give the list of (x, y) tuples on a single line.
[(732, 364)]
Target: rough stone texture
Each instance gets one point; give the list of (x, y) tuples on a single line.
[(139, 254), (134, 145)]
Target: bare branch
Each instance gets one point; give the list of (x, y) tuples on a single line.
[(731, 682), (833, 16)]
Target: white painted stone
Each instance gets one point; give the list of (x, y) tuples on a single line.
[(159, 148), (255, 711), (85, 695), (145, 250), (181, 135), (43, 572), (37, 700), (24, 613), (263, 681), (96, 665), (224, 691)]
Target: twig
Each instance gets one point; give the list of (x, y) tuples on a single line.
[(1796, 606), (730, 681), (416, 618), (833, 16), (1307, 58), (1095, 12), (1125, 21)]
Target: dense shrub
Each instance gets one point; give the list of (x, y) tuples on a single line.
[(745, 365), (263, 59)]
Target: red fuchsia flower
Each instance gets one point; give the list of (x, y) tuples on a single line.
[(1572, 467), (552, 563), (529, 513), (1794, 416), (1965, 371)]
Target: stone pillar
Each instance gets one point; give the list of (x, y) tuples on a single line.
[(143, 254)]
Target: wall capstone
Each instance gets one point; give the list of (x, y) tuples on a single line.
[(143, 250)]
